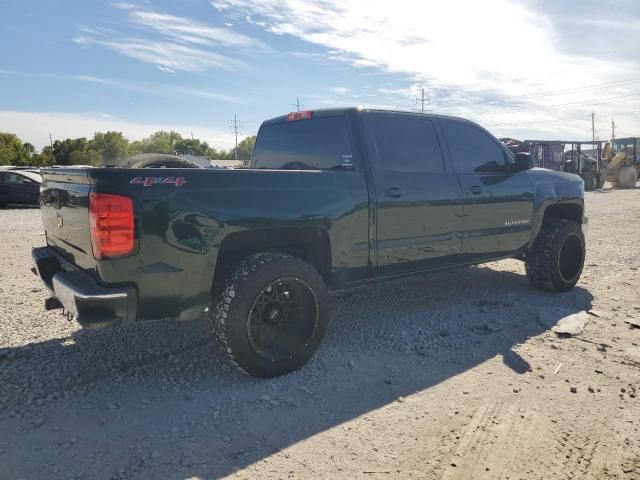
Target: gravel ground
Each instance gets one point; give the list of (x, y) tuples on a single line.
[(451, 375)]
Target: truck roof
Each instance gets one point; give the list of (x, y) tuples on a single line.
[(332, 112)]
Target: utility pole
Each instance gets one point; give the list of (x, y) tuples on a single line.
[(613, 131), (593, 127), (51, 142), (234, 127), (297, 104), (422, 101)]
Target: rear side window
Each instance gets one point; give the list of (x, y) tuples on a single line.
[(16, 178), (472, 149), (405, 144), (314, 144)]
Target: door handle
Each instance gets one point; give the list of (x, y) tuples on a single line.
[(475, 190), (393, 192)]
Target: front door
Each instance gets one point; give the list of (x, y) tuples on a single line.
[(418, 199), (498, 204)]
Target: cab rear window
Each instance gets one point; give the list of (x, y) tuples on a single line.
[(313, 144)]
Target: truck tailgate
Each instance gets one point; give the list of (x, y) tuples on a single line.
[(65, 214)]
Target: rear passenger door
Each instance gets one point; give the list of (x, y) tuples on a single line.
[(498, 204), (418, 200)]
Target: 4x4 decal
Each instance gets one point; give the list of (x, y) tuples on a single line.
[(148, 181)]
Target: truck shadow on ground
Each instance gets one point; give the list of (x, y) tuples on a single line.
[(158, 400)]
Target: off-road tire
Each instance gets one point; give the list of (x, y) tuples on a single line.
[(627, 177), (556, 259), (234, 297)]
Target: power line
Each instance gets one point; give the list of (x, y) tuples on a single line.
[(532, 122), (597, 86), (549, 107)]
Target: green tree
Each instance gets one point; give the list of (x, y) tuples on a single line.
[(72, 151), (65, 151), (29, 148), (194, 147), (12, 151), (135, 147), (245, 148), (223, 155), (161, 142), (85, 157), (110, 146), (44, 158)]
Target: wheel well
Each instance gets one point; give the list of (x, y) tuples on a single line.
[(309, 243), (568, 211)]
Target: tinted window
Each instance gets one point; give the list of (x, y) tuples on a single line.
[(472, 150), (314, 144), (16, 178), (404, 144)]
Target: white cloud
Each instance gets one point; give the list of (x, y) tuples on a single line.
[(34, 127), (170, 55), (159, 90), (210, 95), (187, 30), (170, 42), (475, 58), (340, 90)]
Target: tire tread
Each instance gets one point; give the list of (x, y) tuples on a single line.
[(540, 260), (229, 294)]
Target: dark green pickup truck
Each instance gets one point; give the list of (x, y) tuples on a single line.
[(333, 198)]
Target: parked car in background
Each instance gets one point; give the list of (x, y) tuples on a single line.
[(19, 187)]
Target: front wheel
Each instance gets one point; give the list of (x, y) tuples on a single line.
[(556, 259), (590, 182), (271, 314)]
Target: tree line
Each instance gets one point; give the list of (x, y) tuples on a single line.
[(108, 147)]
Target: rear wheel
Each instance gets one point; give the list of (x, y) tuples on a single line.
[(555, 262), (627, 177), (271, 314)]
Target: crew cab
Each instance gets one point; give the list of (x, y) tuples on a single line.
[(332, 199)]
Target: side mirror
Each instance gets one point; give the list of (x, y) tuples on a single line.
[(522, 161)]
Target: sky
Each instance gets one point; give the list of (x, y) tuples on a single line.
[(523, 69)]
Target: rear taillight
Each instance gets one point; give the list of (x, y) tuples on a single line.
[(111, 218)]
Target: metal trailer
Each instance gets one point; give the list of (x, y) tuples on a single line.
[(570, 156)]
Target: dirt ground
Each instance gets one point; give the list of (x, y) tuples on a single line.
[(452, 375)]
